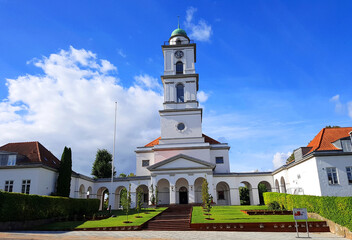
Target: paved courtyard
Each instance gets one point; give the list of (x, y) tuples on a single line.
[(161, 235)]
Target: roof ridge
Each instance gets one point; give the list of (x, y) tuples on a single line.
[(321, 138), (22, 142), (38, 151)]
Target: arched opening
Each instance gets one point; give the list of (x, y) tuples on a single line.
[(164, 191), (145, 195), (89, 192), (277, 186), (178, 41), (263, 187), (182, 191), (118, 192), (198, 189), (82, 191), (179, 67), (180, 93), (283, 185), (103, 196), (222, 193), (246, 196)]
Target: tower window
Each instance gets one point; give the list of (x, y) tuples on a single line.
[(178, 42), (219, 160), (180, 92), (179, 68), (145, 163)]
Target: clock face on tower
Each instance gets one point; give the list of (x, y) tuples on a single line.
[(178, 54)]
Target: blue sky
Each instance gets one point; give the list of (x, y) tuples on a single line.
[(272, 73)]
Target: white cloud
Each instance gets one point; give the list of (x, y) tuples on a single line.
[(338, 105), (72, 104), (202, 96), (148, 81), (349, 108), (280, 159), (121, 53), (200, 31)]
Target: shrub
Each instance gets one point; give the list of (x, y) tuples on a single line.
[(20, 207), (337, 209), (274, 206)]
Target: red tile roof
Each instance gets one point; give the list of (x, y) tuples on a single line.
[(324, 139), (206, 138), (34, 152)]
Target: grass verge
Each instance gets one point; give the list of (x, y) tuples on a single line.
[(233, 214), (118, 221)]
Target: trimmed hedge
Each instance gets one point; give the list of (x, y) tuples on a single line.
[(20, 207), (336, 209)]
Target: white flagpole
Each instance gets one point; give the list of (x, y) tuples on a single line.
[(113, 153)]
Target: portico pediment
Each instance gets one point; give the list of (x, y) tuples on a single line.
[(181, 162)]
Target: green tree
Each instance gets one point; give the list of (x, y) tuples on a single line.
[(261, 189), (290, 158), (131, 175), (122, 175), (102, 164), (126, 201), (156, 196), (244, 196), (65, 171), (205, 192), (332, 126), (206, 197), (139, 200), (152, 196)]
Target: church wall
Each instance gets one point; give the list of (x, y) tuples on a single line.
[(191, 121), (201, 154), (140, 170), (223, 167)]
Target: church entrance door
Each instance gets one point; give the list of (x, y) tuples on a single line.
[(183, 194)]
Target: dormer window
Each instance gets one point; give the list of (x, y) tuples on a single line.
[(180, 93), (179, 68), (11, 161)]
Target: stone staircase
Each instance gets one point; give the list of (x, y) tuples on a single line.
[(175, 218)]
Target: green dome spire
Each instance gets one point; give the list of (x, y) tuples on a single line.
[(178, 30)]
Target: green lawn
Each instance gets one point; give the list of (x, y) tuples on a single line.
[(109, 222), (233, 214)]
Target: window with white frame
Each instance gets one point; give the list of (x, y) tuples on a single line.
[(349, 174), (9, 186), (332, 175), (26, 185)]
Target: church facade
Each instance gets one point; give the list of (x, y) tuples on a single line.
[(177, 162)]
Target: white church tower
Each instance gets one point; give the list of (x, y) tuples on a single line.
[(181, 118), (179, 160)]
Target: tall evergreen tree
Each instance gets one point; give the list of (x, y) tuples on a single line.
[(102, 164), (65, 171)]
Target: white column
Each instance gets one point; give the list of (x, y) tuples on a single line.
[(172, 193), (133, 199), (112, 199), (255, 195), (191, 196), (235, 196)]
